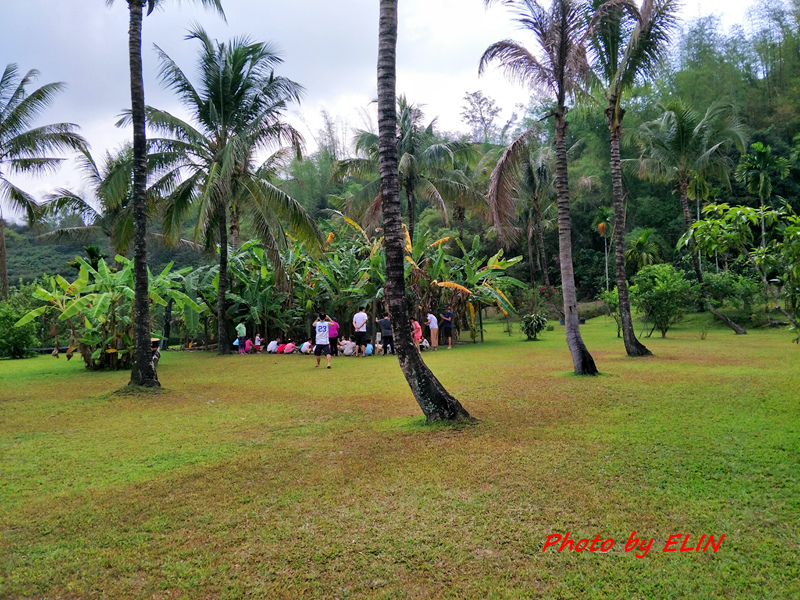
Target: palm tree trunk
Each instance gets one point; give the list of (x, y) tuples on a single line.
[(3, 263), (436, 403), (687, 216), (412, 212), (143, 372), (543, 258), (235, 228), (582, 360), (529, 238), (222, 326), (632, 345)]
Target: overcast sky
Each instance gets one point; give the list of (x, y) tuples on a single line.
[(329, 46)]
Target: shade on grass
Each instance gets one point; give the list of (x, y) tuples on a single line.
[(261, 476)]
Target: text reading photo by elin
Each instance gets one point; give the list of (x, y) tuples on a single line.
[(677, 542)]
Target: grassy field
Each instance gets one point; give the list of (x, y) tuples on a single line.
[(263, 477)]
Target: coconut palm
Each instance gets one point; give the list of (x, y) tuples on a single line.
[(143, 372), (686, 148), (561, 68), (643, 250), (628, 45), (107, 210), (426, 167), (25, 149), (436, 403), (755, 170), (238, 106)]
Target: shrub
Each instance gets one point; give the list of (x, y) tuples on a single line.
[(663, 293), (533, 324), (15, 341), (611, 304)]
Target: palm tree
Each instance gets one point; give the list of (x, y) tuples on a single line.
[(238, 106), (559, 33), (426, 167), (755, 170), (685, 148), (643, 250), (628, 45), (108, 211), (603, 221), (143, 372), (23, 149), (436, 403)]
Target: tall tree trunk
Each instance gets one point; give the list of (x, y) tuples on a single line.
[(582, 360), (412, 212), (235, 228), (543, 257), (222, 326), (436, 403), (143, 372), (529, 237), (632, 345), (687, 216), (3, 262)]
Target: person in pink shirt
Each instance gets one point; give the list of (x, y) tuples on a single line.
[(333, 336), (248, 345), (417, 332), (289, 348)]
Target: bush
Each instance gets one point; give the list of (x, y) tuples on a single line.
[(611, 304), (663, 293), (533, 324), (15, 341)]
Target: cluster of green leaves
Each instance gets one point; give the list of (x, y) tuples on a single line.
[(663, 294), (97, 308), (533, 324)]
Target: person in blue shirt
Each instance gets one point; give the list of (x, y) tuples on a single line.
[(447, 326)]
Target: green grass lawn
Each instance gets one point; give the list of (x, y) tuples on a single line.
[(263, 477)]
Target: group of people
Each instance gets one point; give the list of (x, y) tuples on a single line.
[(326, 337)]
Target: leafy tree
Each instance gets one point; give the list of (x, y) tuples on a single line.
[(97, 309), (559, 33), (663, 294), (479, 113), (143, 372), (25, 149), (776, 264), (756, 169), (238, 105), (685, 148), (14, 341), (436, 403), (628, 44)]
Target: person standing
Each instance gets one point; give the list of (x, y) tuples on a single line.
[(387, 339), (447, 327), (433, 325), (333, 337), (416, 330), (322, 327), (258, 343), (360, 325), (241, 332)]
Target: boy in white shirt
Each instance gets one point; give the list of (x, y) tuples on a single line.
[(360, 325)]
